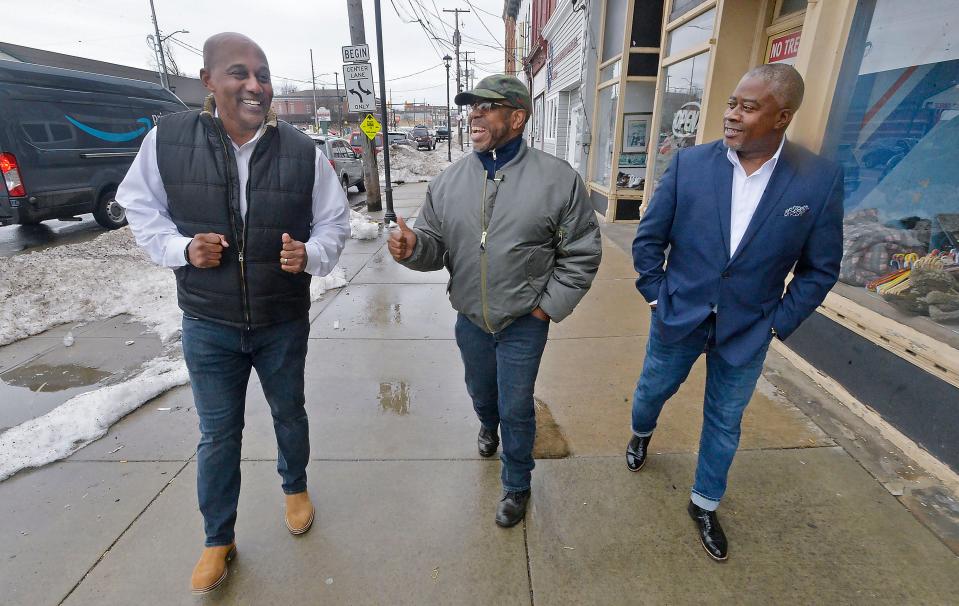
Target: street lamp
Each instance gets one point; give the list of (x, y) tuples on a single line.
[(449, 131)]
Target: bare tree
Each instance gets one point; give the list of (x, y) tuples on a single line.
[(286, 87)]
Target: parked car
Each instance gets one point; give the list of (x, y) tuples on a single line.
[(442, 133), (358, 142), (421, 135), (399, 138), (346, 162), (67, 139)]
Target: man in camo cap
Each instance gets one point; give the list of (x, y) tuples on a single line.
[(515, 229)]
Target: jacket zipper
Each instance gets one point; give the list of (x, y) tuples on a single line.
[(483, 256)]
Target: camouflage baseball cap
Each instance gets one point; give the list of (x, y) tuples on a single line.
[(498, 87)]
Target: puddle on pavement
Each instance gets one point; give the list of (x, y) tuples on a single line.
[(395, 397), (42, 377), (550, 442)]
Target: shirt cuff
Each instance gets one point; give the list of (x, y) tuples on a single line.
[(314, 259), (173, 252), (653, 302)]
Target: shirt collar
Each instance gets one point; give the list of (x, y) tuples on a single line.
[(769, 164), (256, 136)]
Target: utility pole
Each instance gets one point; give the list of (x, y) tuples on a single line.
[(339, 105), (371, 172), (164, 80), (316, 120), (466, 68), (459, 84), (389, 216), (449, 132)]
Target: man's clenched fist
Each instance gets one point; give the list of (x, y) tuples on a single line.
[(402, 241), (206, 250), (293, 255)]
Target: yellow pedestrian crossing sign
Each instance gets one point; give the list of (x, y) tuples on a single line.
[(370, 126)]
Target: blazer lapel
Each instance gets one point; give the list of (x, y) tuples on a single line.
[(724, 194), (778, 184)]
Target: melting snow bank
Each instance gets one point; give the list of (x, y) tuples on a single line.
[(408, 165), (84, 418), (102, 278), (88, 281), (363, 227)]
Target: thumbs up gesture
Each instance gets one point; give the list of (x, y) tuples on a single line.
[(292, 255), (402, 241)]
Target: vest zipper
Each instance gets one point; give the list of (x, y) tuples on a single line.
[(236, 234)]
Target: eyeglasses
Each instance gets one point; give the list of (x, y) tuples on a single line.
[(487, 106)]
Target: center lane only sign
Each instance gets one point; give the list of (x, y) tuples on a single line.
[(358, 81)]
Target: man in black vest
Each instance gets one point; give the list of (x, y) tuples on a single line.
[(245, 209)]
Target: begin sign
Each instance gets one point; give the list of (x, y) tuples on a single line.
[(356, 54)]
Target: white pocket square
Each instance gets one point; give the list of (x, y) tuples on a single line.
[(796, 211)]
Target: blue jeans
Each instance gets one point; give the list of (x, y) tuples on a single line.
[(501, 370), (728, 390), (219, 359)]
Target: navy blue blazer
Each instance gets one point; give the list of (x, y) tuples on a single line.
[(797, 226)]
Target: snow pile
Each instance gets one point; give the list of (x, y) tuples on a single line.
[(319, 285), (362, 227), (84, 418), (408, 165), (91, 280)]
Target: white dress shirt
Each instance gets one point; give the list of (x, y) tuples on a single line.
[(144, 198), (747, 192)]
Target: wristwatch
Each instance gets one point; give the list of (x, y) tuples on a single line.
[(186, 253)]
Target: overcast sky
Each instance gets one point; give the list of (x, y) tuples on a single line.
[(116, 31)]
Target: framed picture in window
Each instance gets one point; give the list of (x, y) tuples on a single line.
[(635, 132), (632, 160)]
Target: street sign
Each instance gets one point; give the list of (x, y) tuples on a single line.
[(370, 126), (359, 53), (358, 82)]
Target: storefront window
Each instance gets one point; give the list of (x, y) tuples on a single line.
[(615, 29), (609, 72), (603, 157), (681, 103), (894, 126), (692, 33), (681, 7)]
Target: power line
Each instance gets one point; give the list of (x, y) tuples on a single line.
[(483, 23)]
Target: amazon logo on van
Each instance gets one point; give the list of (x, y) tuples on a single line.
[(114, 137)]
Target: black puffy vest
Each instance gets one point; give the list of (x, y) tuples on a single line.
[(198, 168)]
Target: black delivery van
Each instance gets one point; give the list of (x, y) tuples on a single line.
[(67, 139)]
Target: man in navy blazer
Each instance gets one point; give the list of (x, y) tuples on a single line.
[(736, 216)]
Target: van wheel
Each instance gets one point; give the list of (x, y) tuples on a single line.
[(361, 186), (345, 183), (108, 212)]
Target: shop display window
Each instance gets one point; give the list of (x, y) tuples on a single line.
[(681, 104), (607, 99), (610, 72), (690, 34), (615, 29), (894, 126), (681, 7)]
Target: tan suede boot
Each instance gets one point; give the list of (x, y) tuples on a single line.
[(212, 568), (299, 512)]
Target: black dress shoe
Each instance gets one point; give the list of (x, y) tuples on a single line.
[(710, 532), (487, 441), (636, 452), (512, 508)]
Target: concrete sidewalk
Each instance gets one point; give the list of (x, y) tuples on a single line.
[(405, 504)]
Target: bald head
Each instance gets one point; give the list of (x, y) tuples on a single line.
[(784, 82), (225, 44)]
